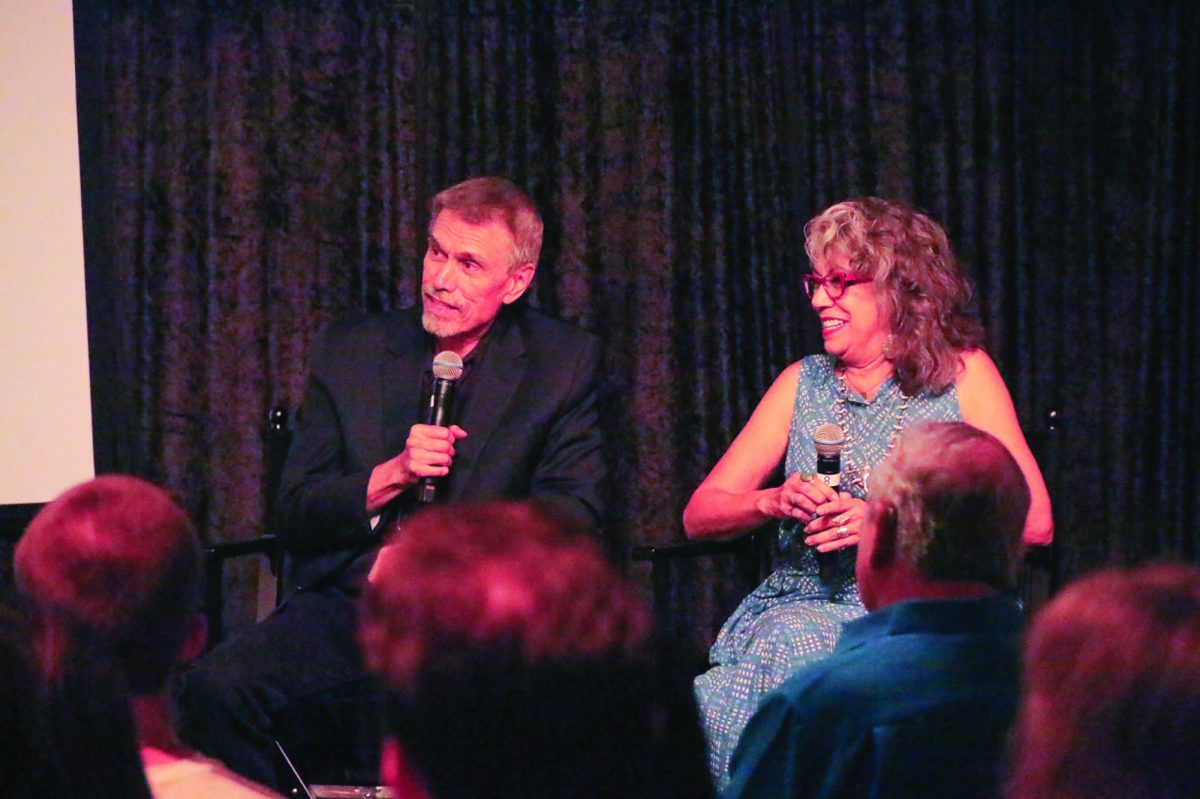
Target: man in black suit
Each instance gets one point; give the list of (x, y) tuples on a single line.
[(526, 428)]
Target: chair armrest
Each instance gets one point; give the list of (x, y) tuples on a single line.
[(215, 556), (661, 559), (691, 549), (224, 550)]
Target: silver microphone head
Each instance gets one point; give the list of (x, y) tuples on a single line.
[(447, 365), (829, 440)]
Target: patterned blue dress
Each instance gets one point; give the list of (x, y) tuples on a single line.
[(792, 618)]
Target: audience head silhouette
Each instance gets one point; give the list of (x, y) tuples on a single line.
[(72, 736), (946, 515), (116, 560), (521, 664), (1111, 701)]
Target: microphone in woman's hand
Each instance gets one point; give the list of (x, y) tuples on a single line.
[(829, 439)]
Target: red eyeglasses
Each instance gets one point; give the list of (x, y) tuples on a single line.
[(835, 283)]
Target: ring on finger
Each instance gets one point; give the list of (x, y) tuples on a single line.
[(843, 531)]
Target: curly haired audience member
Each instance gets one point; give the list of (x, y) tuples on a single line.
[(521, 665)]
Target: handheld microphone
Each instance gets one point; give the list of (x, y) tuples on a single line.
[(447, 368), (829, 439)]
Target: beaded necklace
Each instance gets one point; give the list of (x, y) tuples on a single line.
[(863, 473)]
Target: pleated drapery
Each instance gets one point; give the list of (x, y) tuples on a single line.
[(269, 166)]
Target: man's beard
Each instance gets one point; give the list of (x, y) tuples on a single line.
[(437, 327)]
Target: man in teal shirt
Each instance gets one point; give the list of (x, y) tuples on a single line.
[(919, 695)]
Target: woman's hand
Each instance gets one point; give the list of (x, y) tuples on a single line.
[(731, 500), (798, 498), (838, 523)]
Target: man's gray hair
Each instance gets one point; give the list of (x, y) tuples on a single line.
[(488, 198), (960, 501)]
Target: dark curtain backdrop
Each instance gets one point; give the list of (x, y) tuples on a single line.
[(268, 166)]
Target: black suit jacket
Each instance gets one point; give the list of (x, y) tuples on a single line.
[(532, 429)]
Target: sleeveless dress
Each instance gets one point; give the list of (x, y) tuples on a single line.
[(792, 618)]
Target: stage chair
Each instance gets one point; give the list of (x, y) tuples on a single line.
[(277, 437), (1040, 577), (308, 756), (753, 556)]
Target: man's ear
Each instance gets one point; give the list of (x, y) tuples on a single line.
[(518, 280), (195, 640), (883, 545), (396, 772)]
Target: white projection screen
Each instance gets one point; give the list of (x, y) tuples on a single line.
[(45, 398)]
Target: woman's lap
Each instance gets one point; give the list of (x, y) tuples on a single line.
[(769, 637)]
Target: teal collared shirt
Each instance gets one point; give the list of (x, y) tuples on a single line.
[(916, 700)]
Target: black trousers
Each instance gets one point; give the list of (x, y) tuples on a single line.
[(296, 677)]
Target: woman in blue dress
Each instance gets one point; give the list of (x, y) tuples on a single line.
[(902, 345)]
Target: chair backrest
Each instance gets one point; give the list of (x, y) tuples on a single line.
[(1040, 577), (277, 437)]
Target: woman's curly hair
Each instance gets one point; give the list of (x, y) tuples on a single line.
[(922, 290)]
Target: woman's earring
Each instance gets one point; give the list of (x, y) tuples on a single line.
[(889, 344)]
